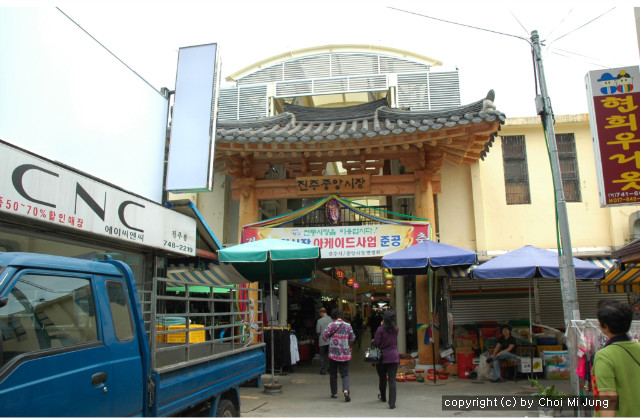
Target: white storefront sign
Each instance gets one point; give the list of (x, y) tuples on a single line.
[(36, 189)]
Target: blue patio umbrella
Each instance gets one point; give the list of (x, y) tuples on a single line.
[(424, 258), (532, 262), (419, 258)]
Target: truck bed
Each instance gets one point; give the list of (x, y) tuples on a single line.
[(183, 385), (169, 356)]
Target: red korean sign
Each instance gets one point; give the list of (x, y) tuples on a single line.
[(340, 274), (615, 115)]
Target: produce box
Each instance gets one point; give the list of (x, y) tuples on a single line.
[(554, 358), (524, 365), (556, 372)]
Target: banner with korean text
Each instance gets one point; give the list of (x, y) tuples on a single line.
[(348, 241), (614, 100)]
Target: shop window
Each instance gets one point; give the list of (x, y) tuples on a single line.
[(47, 311), (569, 167), (516, 172), (120, 312)]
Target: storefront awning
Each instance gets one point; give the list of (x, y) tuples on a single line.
[(456, 272), (621, 280), (209, 274)]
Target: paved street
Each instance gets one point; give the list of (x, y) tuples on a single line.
[(306, 393)]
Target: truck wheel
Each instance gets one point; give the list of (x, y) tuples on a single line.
[(226, 409)]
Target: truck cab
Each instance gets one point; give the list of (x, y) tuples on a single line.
[(75, 341), (67, 323)]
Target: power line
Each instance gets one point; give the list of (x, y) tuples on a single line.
[(521, 25), (560, 23), (460, 24), (582, 26)]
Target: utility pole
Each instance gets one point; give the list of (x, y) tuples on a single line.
[(565, 258)]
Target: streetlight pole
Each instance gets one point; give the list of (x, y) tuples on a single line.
[(565, 258)]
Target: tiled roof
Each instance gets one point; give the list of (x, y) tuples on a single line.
[(375, 119)]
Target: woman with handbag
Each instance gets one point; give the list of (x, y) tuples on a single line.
[(340, 335), (386, 339)]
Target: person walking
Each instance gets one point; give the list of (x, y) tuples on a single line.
[(323, 345), (340, 335), (504, 351), (358, 328), (386, 339), (616, 366)]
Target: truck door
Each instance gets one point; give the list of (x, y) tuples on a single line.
[(54, 361), (126, 374)]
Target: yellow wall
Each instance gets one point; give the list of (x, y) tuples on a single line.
[(487, 224)]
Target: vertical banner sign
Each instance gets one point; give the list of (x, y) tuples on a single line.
[(614, 100), (193, 123)]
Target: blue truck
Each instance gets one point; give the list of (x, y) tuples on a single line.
[(82, 338)]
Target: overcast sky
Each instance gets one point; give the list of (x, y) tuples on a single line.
[(147, 35)]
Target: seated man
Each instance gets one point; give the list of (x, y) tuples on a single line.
[(504, 351)]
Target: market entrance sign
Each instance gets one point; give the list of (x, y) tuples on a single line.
[(40, 191), (614, 100), (348, 241), (333, 184)]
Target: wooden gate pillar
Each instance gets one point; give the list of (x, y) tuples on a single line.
[(248, 215), (424, 207)]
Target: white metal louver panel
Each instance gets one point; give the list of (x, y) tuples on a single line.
[(266, 75), (228, 104), (354, 64), (318, 66), (294, 88), (243, 103), (254, 103), (368, 83), (390, 65), (330, 85), (413, 91), (444, 89)]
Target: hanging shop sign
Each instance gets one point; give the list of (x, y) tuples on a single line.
[(348, 241), (43, 192), (614, 114), (356, 285), (333, 184), (340, 274), (350, 281)]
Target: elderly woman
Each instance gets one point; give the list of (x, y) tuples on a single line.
[(340, 335)]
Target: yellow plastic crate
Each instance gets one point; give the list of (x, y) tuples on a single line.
[(180, 337), (161, 338)]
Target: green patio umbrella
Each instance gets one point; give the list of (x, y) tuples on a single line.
[(269, 258)]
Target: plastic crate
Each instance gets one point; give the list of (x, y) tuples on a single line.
[(161, 338), (180, 337)]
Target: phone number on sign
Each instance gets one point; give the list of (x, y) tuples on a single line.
[(179, 247)]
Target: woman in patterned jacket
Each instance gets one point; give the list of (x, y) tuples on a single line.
[(340, 335)]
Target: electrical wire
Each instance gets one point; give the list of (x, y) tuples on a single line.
[(521, 25), (582, 26), (460, 24), (559, 23)]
